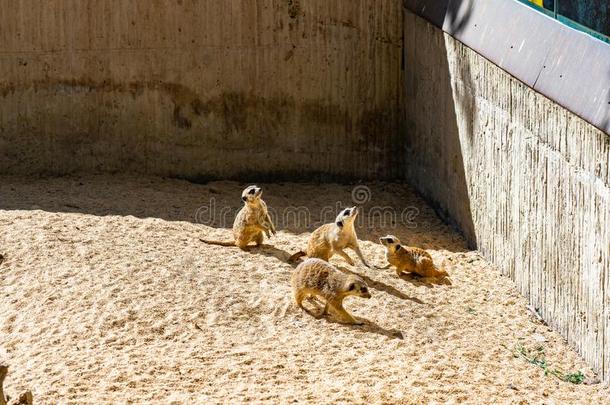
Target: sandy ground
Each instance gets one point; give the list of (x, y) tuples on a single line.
[(108, 296)]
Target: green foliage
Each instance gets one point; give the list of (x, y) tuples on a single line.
[(575, 378), (537, 358)]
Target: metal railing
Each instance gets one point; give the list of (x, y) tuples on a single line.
[(590, 16)]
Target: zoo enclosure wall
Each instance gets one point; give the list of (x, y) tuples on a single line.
[(527, 180), (356, 89), (202, 89)]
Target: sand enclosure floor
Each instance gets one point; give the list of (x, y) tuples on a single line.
[(108, 296)]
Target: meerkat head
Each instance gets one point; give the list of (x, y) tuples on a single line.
[(346, 217), (251, 194), (390, 241), (356, 286)]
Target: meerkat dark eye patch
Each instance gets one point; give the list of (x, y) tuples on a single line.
[(351, 287), (390, 240), (252, 191), (346, 212), (364, 290)]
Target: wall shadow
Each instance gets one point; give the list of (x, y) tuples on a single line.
[(297, 209), (432, 127), (436, 166)]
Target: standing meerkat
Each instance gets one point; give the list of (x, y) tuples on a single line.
[(252, 221), (331, 239), (315, 277), (409, 259)]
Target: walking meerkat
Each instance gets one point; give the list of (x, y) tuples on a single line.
[(331, 239), (252, 221), (315, 277), (409, 259)]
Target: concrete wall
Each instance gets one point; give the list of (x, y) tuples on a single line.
[(527, 181), (202, 88)]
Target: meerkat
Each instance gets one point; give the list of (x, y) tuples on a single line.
[(252, 221), (315, 277), (409, 259), (24, 398), (331, 239)]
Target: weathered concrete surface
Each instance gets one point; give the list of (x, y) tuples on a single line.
[(527, 181), (202, 88)]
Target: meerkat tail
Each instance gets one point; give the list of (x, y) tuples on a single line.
[(431, 269), (438, 271), (442, 267), (296, 256), (441, 271), (218, 242)]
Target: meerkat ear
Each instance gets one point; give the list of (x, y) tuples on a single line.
[(398, 246), (340, 224), (244, 198)]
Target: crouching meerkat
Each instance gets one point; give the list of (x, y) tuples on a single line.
[(252, 221), (409, 259), (315, 277), (331, 239)]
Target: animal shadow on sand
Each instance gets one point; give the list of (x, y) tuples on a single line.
[(270, 251), (427, 282), (264, 250), (378, 285), (367, 326)]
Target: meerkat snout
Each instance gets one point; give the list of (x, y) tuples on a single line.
[(348, 215), (351, 212), (251, 194), (359, 289), (383, 240), (389, 240)]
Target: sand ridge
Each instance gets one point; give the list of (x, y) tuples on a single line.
[(107, 296)]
